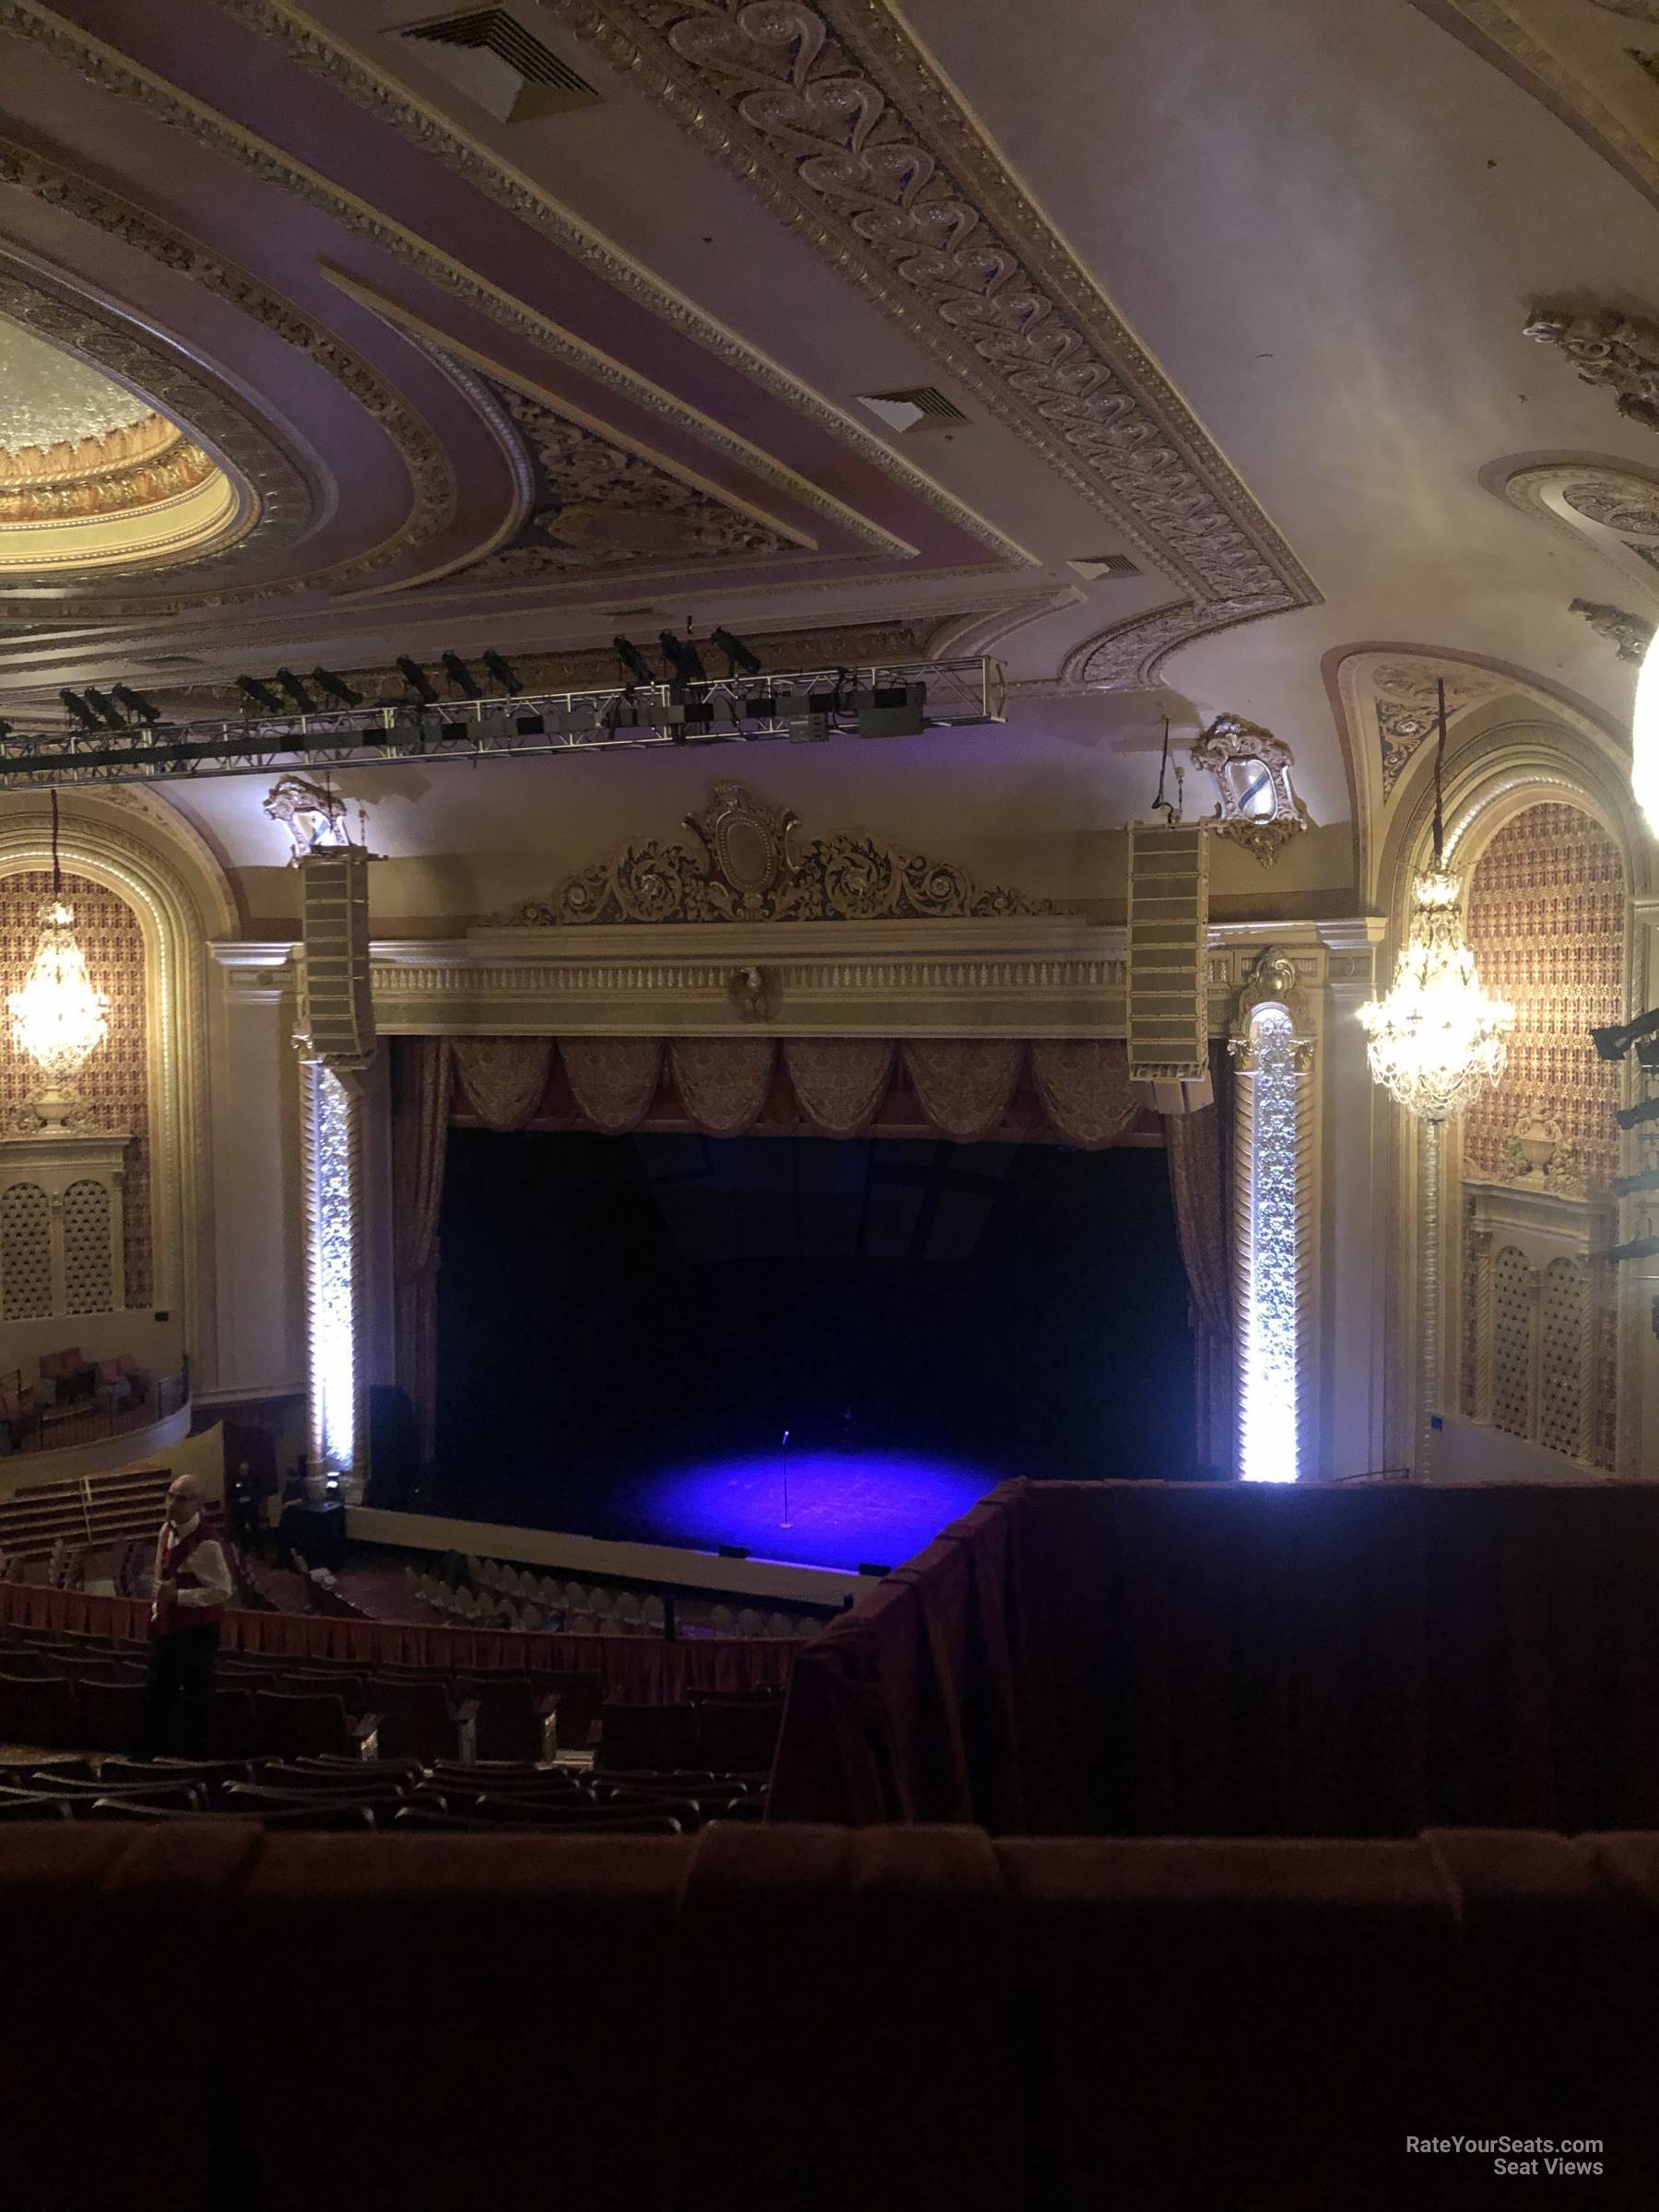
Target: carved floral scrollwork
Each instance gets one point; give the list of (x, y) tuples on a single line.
[(1273, 980), (852, 877), (1252, 767), (1608, 347)]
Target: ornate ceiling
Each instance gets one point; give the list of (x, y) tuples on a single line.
[(1225, 312)]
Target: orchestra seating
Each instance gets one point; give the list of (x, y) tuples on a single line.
[(810, 2017)]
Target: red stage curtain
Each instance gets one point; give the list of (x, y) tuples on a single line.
[(646, 1670), (419, 1135), (1239, 1659)]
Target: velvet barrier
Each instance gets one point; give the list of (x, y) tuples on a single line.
[(1150, 1658), (813, 2018), (641, 1670)]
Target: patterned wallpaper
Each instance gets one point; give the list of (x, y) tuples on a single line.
[(1546, 911), (115, 1081)]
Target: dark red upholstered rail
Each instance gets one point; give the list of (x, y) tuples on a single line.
[(642, 1670), (1154, 1659), (805, 2018)]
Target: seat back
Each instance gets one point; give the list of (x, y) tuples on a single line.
[(292, 1727), (643, 1737), (415, 1717)]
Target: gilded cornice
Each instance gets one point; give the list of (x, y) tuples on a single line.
[(310, 45), (431, 480), (845, 127), (281, 497)]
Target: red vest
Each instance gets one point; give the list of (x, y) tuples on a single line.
[(174, 1565)]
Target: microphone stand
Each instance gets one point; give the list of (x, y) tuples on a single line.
[(785, 1523)]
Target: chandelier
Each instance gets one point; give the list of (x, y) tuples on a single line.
[(1438, 1039), (58, 1019)]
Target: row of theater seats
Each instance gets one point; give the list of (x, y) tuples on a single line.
[(810, 2018), (498, 1595), (342, 1794), (59, 1691)]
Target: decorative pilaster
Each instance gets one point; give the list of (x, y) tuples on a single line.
[(331, 1172), (1273, 1185)]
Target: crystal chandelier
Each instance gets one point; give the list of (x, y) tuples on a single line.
[(58, 1019), (1438, 1039)]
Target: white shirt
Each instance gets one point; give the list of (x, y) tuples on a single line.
[(207, 1562)]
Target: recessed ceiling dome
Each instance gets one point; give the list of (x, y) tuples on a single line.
[(92, 475)]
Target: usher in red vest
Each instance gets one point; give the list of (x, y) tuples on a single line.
[(174, 1566)]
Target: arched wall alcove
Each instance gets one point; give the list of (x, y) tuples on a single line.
[(1504, 762), (143, 853)]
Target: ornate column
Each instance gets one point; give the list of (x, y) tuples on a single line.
[(1274, 1202)]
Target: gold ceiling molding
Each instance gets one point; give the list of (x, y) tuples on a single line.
[(1609, 507), (110, 71), (746, 864), (840, 122), (310, 45), (423, 456), (275, 494), (600, 508)]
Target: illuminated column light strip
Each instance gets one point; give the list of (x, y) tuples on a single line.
[(330, 1121), (1272, 1168)]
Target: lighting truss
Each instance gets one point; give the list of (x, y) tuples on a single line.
[(800, 705)]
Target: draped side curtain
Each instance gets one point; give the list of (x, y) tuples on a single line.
[(1200, 1154), (420, 1086)]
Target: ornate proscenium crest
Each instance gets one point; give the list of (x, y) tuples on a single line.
[(747, 866), (313, 816), (1252, 767)]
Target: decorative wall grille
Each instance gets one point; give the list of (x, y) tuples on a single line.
[(1512, 1341), (24, 1251), (1563, 1319), (89, 1284)]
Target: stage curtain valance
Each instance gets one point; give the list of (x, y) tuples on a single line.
[(504, 1077), (613, 1079), (723, 1081), (1073, 1089)]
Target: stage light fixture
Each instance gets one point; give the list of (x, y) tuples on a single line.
[(890, 711), (1645, 1110), (80, 710), (684, 661), (106, 710), (335, 688), (1639, 1248), (5, 729), (1613, 1042), (1626, 1186), (460, 676), (416, 679), (738, 654), (504, 673), (134, 705), (632, 662), (258, 694), (296, 691)]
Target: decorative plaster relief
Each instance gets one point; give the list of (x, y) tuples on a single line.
[(1614, 510), (850, 878), (832, 115), (1608, 347), (1629, 634), (1407, 706), (1258, 809)]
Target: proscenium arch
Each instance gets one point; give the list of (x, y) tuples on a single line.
[(165, 875)]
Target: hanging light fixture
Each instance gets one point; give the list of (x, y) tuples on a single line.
[(1438, 1039), (58, 1019)]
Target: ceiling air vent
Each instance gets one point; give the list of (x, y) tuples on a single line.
[(489, 55), (922, 407), (1091, 567)]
